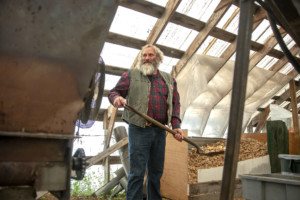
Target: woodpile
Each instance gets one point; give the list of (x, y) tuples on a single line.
[(249, 148)]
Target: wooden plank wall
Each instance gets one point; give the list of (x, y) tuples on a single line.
[(174, 183)]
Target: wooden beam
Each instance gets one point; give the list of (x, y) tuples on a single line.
[(280, 63), (112, 70), (262, 120), (107, 152), (114, 160), (294, 106), (163, 21), (160, 24), (126, 41), (102, 111), (137, 44), (259, 55), (145, 7), (203, 34), (296, 144), (286, 95), (111, 124)]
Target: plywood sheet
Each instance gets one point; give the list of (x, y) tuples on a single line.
[(174, 182)]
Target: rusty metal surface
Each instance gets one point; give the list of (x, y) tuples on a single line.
[(17, 149), (42, 176), (22, 192), (49, 51)]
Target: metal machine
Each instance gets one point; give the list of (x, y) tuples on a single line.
[(50, 76)]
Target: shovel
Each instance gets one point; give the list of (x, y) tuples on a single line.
[(149, 119)]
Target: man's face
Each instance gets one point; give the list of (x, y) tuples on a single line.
[(149, 62), (149, 56)]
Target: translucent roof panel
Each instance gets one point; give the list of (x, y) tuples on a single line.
[(205, 45), (260, 29), (162, 3), (118, 56), (285, 103), (233, 26), (297, 78), (226, 19), (176, 36), (110, 81), (168, 64), (288, 40), (132, 23), (201, 10), (232, 58), (286, 69), (267, 62), (104, 103), (266, 34), (217, 48)]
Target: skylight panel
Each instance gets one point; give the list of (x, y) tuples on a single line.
[(265, 35), (297, 77), (110, 81), (286, 69), (117, 55), (218, 48), (288, 41), (105, 103), (168, 64), (162, 3), (201, 10), (132, 23), (233, 26), (283, 104), (205, 45), (267, 62), (176, 36), (232, 58), (224, 21), (280, 92), (260, 29)]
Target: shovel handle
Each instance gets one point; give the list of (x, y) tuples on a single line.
[(126, 106)]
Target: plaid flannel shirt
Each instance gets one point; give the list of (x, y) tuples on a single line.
[(157, 107)]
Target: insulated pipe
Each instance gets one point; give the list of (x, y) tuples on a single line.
[(237, 100)]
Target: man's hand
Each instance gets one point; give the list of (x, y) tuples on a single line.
[(179, 136), (119, 102)]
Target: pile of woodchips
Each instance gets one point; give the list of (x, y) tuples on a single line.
[(249, 148)]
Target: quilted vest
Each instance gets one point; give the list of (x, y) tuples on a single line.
[(138, 96)]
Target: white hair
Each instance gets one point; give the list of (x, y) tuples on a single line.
[(159, 54)]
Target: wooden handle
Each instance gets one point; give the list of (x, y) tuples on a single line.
[(160, 125)]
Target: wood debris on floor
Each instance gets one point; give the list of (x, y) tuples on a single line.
[(249, 148)]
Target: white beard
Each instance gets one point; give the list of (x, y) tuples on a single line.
[(147, 68)]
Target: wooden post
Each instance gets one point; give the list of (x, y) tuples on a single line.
[(295, 148), (262, 120), (105, 161), (109, 118)]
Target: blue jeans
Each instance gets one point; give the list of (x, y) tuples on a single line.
[(146, 152)]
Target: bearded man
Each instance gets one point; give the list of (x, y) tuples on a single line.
[(154, 93)]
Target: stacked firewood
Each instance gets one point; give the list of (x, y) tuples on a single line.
[(249, 148)]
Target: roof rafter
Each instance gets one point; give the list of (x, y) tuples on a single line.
[(202, 35), (161, 23)]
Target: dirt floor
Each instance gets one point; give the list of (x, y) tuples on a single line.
[(51, 197)]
